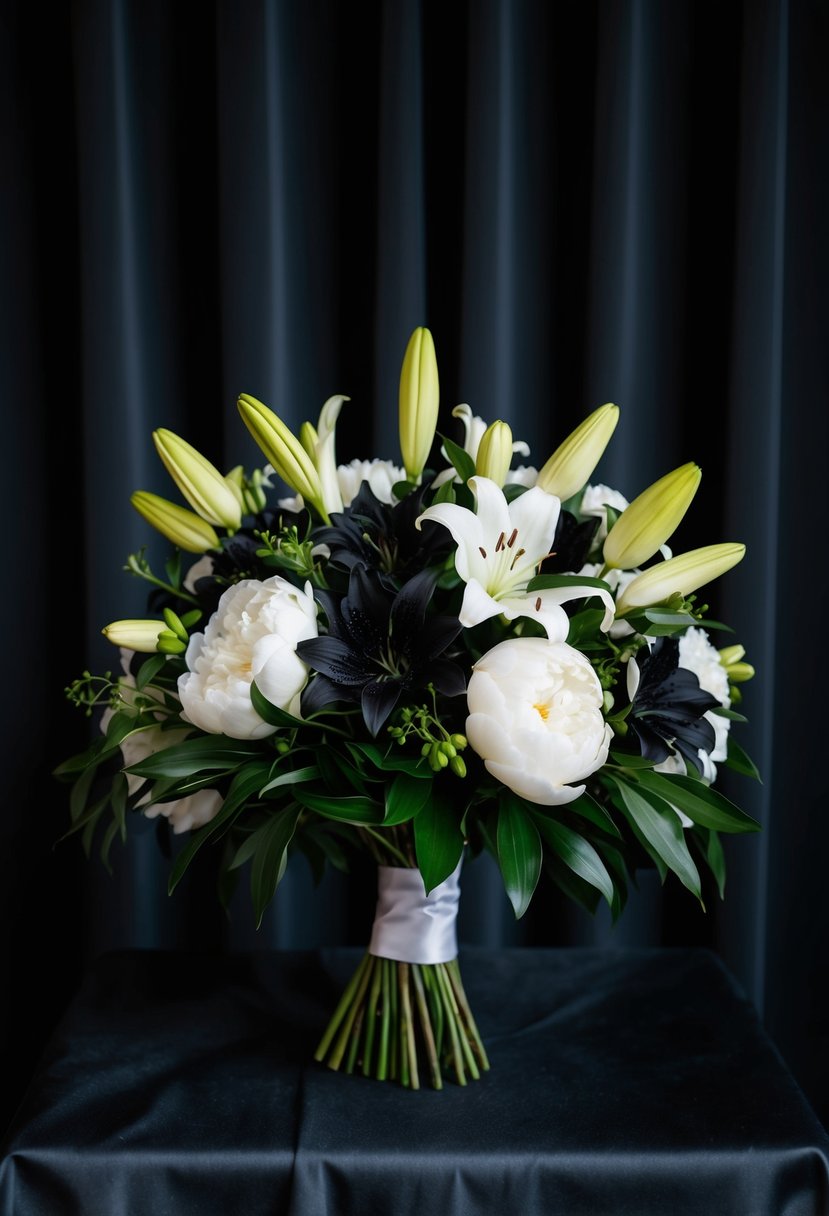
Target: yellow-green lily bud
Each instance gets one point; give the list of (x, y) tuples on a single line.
[(309, 438), (135, 635), (679, 576), (732, 654), (495, 453), (200, 482), (248, 490), (284, 451), (419, 399), (646, 524), (571, 464), (184, 528), (731, 657)]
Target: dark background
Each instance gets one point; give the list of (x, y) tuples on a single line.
[(585, 202)]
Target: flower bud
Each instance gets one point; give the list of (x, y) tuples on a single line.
[(571, 464), (679, 576), (651, 518), (199, 481), (135, 635), (419, 398), (731, 658), (495, 453), (248, 489), (284, 451), (184, 528)]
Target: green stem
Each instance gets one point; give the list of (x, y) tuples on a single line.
[(457, 1053), (455, 976), (426, 1025), (403, 1028), (371, 1019), (386, 845), (336, 1057), (456, 1018), (383, 1057), (340, 1011), (176, 591)]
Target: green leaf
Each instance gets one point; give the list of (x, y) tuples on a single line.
[(438, 839), (590, 809), (659, 825), (355, 778), (244, 788), (741, 762), (519, 852), (79, 795), (405, 798), (401, 489), (544, 582), (628, 760), (731, 714), (149, 670), (390, 762), (345, 810), (93, 755), (574, 888), (576, 853), (585, 626), (463, 462), (699, 802), (295, 776), (445, 493), (215, 752), (271, 714), (716, 860), (269, 857)]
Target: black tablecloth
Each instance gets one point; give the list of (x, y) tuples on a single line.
[(622, 1082)]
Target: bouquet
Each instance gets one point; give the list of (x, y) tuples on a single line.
[(419, 663)]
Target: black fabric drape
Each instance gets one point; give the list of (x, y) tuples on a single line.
[(606, 201)]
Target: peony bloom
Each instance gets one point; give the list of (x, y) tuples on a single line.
[(184, 814), (381, 476), (252, 635), (696, 654), (594, 502), (535, 718)]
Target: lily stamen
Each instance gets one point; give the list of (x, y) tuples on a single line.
[(500, 544), (512, 539), (482, 551), (519, 553)]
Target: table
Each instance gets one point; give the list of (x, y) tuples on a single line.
[(622, 1082)]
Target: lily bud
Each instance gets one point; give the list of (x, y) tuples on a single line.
[(199, 481), (679, 576), (135, 635), (184, 528), (571, 464), (419, 398), (248, 489), (731, 658), (284, 451), (646, 524), (324, 452), (495, 453)]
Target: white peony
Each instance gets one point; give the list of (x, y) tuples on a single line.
[(252, 635), (535, 718), (594, 501), (696, 654), (524, 475), (381, 476), (184, 814)]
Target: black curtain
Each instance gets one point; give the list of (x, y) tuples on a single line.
[(585, 202)]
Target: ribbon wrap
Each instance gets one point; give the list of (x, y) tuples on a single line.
[(411, 926)]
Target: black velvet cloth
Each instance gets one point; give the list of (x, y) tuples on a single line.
[(622, 1082)]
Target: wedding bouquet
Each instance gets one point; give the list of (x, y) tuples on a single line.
[(420, 662)]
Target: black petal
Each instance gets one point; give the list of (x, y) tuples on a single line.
[(378, 700)]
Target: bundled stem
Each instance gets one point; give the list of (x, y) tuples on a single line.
[(400, 1021)]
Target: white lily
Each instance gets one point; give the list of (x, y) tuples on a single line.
[(324, 453), (474, 429), (499, 549)]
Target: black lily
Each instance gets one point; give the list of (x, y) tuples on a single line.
[(380, 643), (571, 544), (668, 707), (384, 537)]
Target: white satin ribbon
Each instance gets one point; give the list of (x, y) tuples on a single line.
[(411, 926)]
